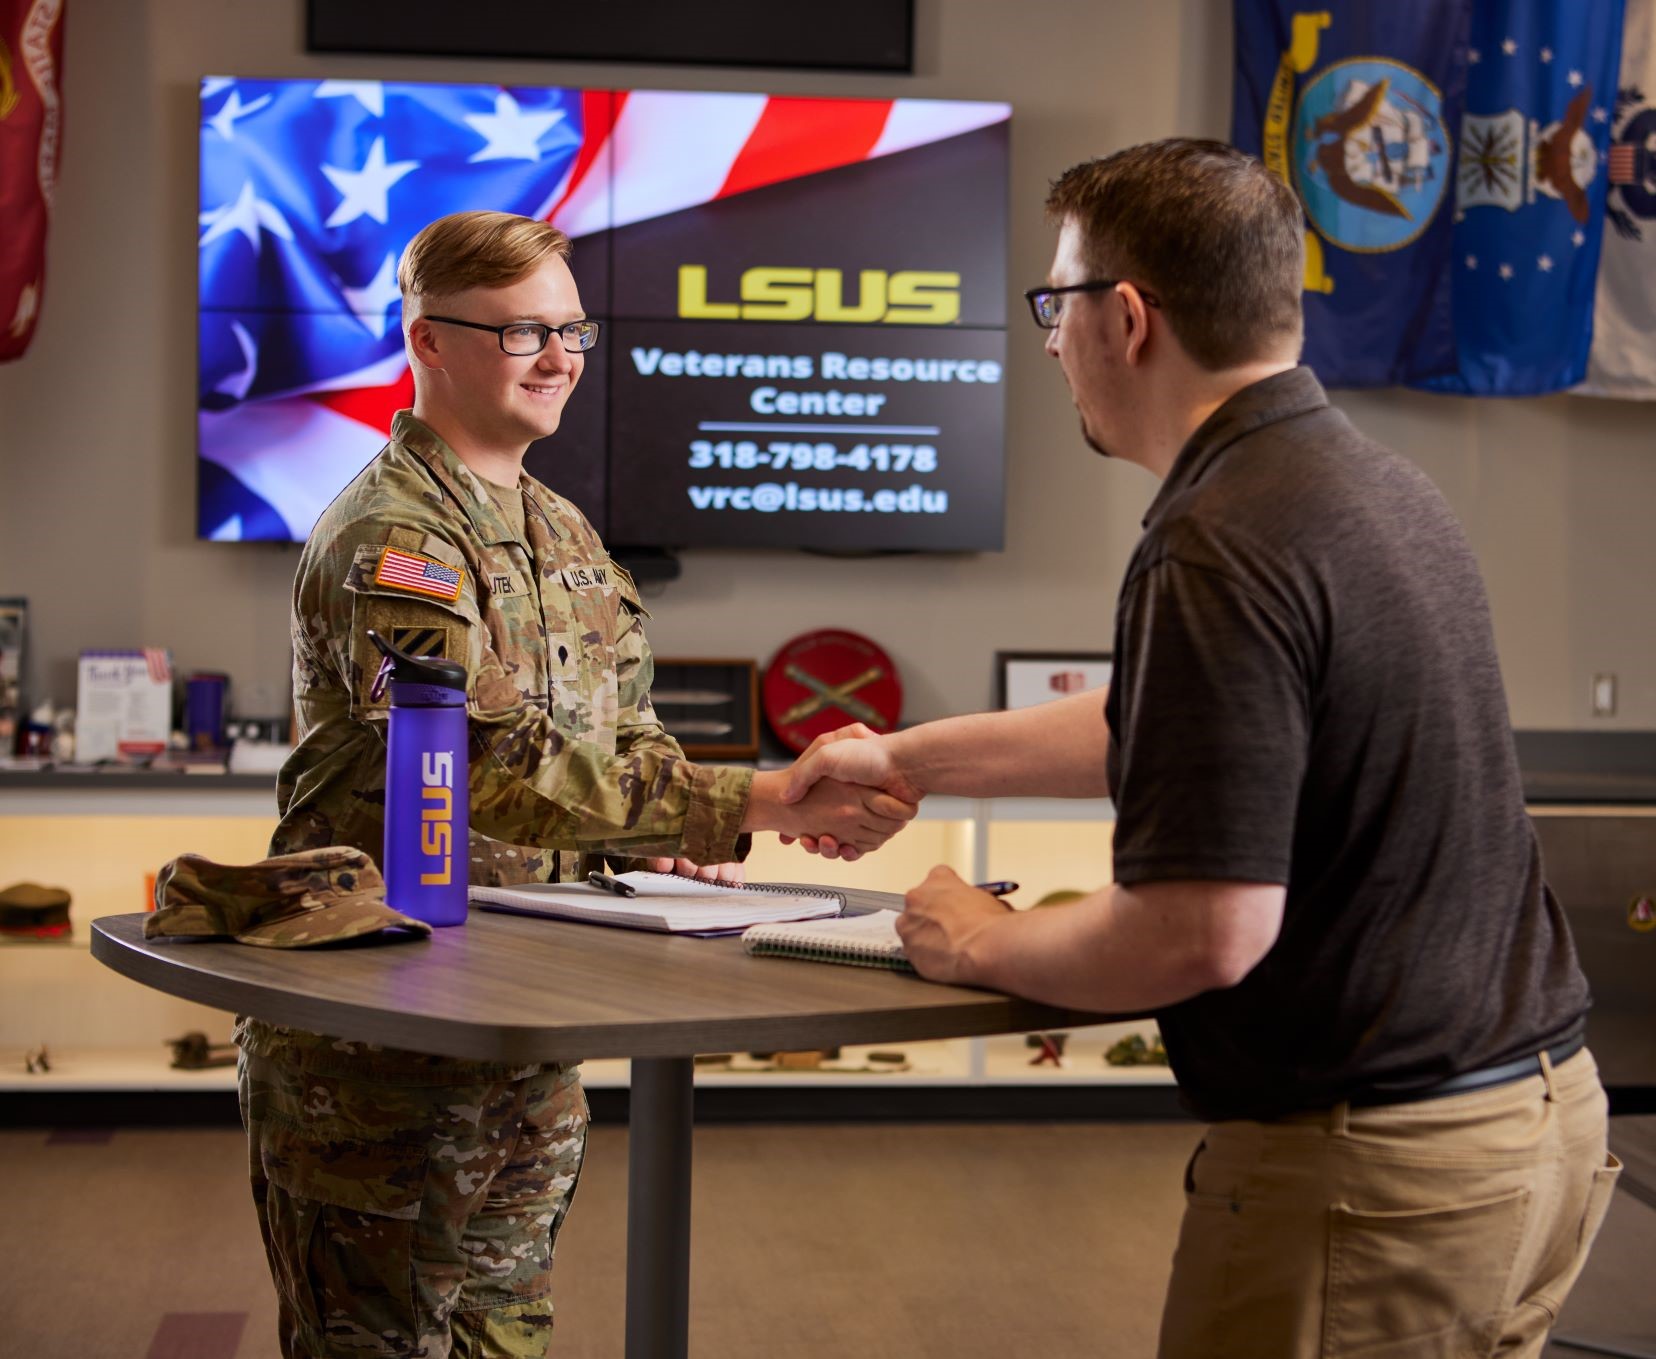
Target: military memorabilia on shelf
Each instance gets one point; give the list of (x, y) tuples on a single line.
[(1641, 913), (36, 1062), (1133, 1050), (123, 705), (824, 680), (1051, 1047), (1025, 678), (813, 1062), (30, 911), (14, 634), (710, 707), (193, 1052)]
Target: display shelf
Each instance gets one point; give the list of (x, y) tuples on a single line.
[(101, 835), (109, 1069)]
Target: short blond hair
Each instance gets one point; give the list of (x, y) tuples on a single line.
[(474, 250)]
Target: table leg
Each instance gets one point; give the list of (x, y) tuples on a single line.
[(658, 1208)]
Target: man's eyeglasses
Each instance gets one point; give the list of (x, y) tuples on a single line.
[(1046, 305), (523, 338)]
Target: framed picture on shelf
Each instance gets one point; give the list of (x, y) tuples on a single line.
[(711, 707), (1025, 678), (14, 635)]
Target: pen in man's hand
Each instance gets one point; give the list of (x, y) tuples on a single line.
[(605, 883), (996, 889)]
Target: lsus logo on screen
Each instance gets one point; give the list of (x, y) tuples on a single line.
[(783, 293)]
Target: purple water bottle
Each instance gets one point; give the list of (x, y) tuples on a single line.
[(425, 785)]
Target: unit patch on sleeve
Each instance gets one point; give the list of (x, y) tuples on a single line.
[(422, 575), (431, 642)]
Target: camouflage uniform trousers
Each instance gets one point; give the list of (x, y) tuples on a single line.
[(405, 1215)]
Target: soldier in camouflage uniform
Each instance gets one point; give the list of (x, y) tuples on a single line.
[(409, 1202)]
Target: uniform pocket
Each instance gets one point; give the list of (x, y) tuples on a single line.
[(1420, 1284), (342, 1218)]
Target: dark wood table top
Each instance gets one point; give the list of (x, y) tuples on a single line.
[(515, 988)]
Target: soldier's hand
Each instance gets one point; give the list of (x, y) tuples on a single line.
[(688, 868), (851, 754), (846, 820)]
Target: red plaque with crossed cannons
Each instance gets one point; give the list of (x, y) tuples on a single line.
[(828, 679)]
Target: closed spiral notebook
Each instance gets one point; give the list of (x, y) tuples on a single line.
[(858, 940)]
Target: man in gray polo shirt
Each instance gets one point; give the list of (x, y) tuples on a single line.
[(1328, 891)]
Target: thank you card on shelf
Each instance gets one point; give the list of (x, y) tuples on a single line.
[(123, 704)]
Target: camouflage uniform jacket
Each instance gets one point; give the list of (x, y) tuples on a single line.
[(566, 753)]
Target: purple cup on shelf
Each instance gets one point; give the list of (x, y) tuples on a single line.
[(205, 692)]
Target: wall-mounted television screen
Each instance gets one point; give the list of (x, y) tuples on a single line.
[(805, 302)]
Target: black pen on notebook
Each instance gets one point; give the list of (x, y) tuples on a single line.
[(996, 889), (604, 883)]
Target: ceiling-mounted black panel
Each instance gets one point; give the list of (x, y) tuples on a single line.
[(847, 35)]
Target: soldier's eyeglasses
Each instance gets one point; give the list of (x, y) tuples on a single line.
[(523, 338), (1046, 305)]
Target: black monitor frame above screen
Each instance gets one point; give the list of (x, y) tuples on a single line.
[(804, 302), (846, 35)]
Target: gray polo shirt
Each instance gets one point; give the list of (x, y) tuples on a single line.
[(1306, 692)]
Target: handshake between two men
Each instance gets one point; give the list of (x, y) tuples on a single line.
[(840, 816), (853, 789)]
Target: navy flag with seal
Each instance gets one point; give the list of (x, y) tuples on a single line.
[(1530, 192), (1354, 106)]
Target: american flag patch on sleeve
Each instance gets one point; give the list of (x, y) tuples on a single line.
[(424, 576)]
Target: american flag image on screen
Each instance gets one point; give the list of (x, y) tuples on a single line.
[(311, 189)]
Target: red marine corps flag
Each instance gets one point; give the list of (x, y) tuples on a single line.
[(31, 123)]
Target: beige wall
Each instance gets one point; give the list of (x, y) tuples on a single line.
[(96, 423)]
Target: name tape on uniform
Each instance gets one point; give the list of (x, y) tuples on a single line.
[(423, 575)]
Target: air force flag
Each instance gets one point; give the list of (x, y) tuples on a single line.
[(1623, 358), (1355, 106), (1530, 193)]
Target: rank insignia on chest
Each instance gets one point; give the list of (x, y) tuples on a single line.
[(420, 575), (587, 576)]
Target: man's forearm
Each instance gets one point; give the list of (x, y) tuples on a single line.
[(1055, 750), (1125, 950)]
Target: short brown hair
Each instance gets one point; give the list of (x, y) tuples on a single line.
[(474, 250), (1213, 234)]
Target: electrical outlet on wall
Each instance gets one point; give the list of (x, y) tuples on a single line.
[(1604, 694)]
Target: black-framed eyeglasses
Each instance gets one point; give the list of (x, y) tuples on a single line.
[(523, 338), (1046, 305)]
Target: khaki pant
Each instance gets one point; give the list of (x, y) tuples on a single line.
[(404, 1214), (1443, 1227)]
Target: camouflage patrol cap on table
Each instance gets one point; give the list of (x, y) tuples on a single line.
[(316, 896)]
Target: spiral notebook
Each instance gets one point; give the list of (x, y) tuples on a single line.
[(860, 940), (665, 903)]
